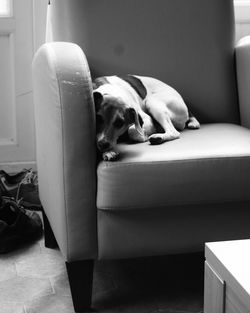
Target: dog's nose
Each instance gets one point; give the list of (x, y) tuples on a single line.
[(103, 145)]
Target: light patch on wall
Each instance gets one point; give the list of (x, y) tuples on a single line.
[(242, 11), (5, 8)]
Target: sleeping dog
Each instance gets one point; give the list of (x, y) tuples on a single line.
[(137, 104)]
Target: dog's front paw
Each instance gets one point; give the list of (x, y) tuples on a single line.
[(110, 156)]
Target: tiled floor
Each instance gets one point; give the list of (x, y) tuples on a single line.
[(33, 280)]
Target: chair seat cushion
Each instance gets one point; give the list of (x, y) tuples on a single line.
[(209, 165)]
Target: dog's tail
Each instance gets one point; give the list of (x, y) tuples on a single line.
[(192, 122)]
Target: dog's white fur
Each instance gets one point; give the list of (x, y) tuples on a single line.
[(162, 103)]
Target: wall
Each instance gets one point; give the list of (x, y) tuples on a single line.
[(39, 22), (17, 141), (21, 34), (242, 29), (242, 17)]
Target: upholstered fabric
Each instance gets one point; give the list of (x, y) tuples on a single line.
[(66, 154), (209, 165), (187, 44), (155, 199), (169, 230), (243, 76)]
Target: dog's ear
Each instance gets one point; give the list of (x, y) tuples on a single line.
[(134, 117), (140, 120), (131, 114), (98, 99)]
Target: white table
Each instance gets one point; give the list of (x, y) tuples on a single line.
[(227, 277)]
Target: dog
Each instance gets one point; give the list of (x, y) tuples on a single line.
[(141, 106)]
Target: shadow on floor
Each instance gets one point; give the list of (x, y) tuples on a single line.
[(158, 284), (33, 279)]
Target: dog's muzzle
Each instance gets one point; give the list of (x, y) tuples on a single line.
[(103, 145)]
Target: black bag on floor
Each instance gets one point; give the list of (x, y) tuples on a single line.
[(18, 226)]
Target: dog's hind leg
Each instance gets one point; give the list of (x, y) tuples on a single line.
[(192, 122), (161, 115), (170, 132)]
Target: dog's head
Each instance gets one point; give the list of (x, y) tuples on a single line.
[(113, 118)]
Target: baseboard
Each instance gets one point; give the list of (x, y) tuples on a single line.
[(15, 167)]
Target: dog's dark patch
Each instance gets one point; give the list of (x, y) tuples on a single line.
[(132, 116), (99, 82), (155, 140), (140, 120), (136, 84), (98, 99)]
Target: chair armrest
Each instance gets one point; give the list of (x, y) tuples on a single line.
[(66, 150), (243, 78)]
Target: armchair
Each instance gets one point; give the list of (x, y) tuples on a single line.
[(155, 200)]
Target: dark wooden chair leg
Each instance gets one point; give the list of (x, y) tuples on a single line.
[(49, 237), (80, 274)]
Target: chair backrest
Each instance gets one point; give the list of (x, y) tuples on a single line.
[(189, 44)]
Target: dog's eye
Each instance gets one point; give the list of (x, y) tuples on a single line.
[(118, 123)]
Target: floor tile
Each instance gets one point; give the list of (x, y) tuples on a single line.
[(123, 302), (44, 250), (7, 307), (191, 302), (60, 284), (35, 278), (22, 253), (42, 265), (50, 304), (103, 282), (163, 311), (21, 289), (7, 270)]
